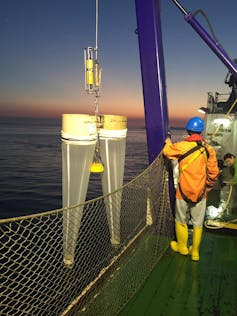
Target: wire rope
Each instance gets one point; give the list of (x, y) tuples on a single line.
[(210, 27)]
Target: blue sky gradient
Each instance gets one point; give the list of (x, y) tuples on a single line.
[(42, 63)]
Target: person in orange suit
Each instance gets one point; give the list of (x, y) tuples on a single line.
[(198, 172)]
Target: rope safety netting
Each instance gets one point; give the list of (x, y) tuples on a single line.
[(35, 280)]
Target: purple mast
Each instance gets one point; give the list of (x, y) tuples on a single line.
[(153, 74)]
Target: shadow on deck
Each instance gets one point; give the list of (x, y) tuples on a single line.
[(180, 286)]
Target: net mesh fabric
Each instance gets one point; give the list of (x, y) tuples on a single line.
[(104, 276)]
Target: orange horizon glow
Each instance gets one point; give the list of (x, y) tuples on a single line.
[(133, 111)]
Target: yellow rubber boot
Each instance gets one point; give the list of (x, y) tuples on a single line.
[(182, 239), (194, 249)]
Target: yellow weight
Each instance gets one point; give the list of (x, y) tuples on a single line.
[(96, 167)]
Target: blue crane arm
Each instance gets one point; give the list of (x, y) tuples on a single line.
[(214, 46)]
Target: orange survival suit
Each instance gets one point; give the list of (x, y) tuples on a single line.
[(198, 170)]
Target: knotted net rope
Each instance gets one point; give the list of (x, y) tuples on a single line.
[(104, 277)]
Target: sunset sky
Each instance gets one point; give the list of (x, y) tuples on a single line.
[(42, 62)]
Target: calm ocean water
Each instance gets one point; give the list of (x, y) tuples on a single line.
[(31, 165)]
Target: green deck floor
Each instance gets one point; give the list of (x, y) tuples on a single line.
[(180, 286)]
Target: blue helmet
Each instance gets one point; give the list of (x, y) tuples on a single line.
[(195, 124)]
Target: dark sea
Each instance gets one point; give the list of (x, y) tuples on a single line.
[(31, 165)]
